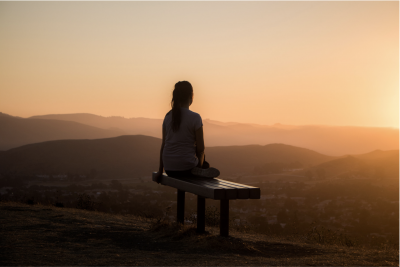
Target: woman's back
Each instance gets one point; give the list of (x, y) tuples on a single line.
[(180, 146)]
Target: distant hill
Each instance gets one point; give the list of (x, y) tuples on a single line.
[(144, 126), (379, 155), (15, 131), (376, 164), (120, 156), (245, 158), (138, 155), (8, 116), (329, 140)]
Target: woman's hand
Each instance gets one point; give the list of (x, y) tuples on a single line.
[(158, 176)]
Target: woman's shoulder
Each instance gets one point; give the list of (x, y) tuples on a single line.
[(194, 118), (192, 113), (169, 113), (167, 116)]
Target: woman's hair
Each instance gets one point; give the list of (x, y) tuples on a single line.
[(182, 93)]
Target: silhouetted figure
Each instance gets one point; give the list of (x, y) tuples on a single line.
[(182, 149)]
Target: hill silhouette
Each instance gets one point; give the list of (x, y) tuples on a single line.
[(379, 155), (330, 140), (376, 164), (233, 159), (132, 126), (48, 236), (138, 155), (120, 156), (15, 131)]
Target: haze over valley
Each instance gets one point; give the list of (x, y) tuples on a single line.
[(329, 140)]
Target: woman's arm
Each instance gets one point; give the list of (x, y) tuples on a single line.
[(200, 146), (161, 166)]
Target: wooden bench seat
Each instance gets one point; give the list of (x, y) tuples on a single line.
[(209, 188)]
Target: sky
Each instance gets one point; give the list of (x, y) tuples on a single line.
[(298, 63)]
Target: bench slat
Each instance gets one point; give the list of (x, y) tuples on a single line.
[(233, 183), (187, 186), (241, 192), (212, 188), (254, 192), (230, 191)]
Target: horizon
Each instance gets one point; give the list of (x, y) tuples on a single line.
[(326, 139), (294, 63), (207, 119)]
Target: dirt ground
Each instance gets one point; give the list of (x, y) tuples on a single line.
[(45, 235)]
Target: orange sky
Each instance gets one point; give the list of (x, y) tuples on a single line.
[(332, 63)]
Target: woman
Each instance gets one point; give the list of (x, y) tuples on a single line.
[(182, 148)]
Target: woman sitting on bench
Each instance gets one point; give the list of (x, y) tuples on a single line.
[(182, 149)]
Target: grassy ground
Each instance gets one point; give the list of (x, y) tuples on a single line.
[(43, 235)]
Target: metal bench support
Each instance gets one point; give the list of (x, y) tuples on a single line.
[(224, 220), (180, 206), (201, 214)]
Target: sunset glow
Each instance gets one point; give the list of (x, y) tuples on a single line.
[(299, 63)]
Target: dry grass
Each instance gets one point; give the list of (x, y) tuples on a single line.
[(43, 235)]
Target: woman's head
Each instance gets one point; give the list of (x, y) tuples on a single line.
[(181, 96)]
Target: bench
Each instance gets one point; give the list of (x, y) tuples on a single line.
[(208, 188)]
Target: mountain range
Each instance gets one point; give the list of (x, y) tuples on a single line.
[(16, 131), (329, 140)]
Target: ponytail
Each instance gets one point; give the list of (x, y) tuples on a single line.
[(182, 93), (176, 115)]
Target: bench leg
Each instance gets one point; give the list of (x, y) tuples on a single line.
[(224, 220), (201, 214), (180, 206)]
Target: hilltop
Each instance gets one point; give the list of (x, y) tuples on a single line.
[(138, 155), (16, 131), (45, 235), (379, 164)]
